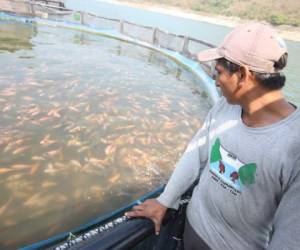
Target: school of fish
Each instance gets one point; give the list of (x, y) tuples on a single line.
[(87, 139)]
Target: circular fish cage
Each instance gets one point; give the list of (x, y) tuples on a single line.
[(95, 112)]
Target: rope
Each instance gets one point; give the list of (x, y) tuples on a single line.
[(74, 240)]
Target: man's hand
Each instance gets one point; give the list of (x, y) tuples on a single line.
[(150, 209)]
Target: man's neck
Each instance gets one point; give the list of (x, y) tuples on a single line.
[(265, 109)]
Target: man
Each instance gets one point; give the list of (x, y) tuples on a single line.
[(248, 151)]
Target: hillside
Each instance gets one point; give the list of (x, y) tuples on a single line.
[(276, 12)]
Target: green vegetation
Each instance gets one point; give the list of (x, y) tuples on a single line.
[(276, 12)]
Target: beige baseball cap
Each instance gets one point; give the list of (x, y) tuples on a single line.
[(256, 45)]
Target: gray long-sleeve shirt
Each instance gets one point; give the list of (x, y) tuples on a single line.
[(250, 182)]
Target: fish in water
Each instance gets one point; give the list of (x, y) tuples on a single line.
[(54, 112), (20, 166), (8, 147), (7, 108), (9, 92), (27, 98), (75, 129), (83, 149), (4, 207), (34, 169), (37, 158), (46, 141), (5, 170), (169, 125), (74, 109), (114, 178), (48, 184), (54, 152), (96, 161), (20, 150), (44, 119), (34, 111), (87, 108), (51, 170), (76, 164), (85, 139), (19, 142), (74, 142), (110, 149)]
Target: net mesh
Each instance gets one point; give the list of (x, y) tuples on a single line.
[(141, 33), (169, 41), (100, 22), (18, 7), (71, 17), (194, 47)]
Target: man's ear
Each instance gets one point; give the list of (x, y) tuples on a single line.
[(243, 74)]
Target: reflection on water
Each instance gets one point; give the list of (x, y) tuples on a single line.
[(87, 124), (15, 37)]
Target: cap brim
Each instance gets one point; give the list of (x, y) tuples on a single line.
[(209, 55)]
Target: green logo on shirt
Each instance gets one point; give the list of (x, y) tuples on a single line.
[(228, 167)]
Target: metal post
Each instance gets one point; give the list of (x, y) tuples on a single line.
[(121, 28), (31, 8), (82, 17), (153, 40), (185, 46)]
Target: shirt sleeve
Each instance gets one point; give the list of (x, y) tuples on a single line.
[(188, 168), (287, 217)]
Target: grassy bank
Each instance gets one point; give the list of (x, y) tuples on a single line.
[(276, 12)]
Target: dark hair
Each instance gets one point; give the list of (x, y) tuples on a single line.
[(229, 66), (271, 81)]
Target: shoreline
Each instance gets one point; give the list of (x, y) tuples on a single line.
[(285, 31)]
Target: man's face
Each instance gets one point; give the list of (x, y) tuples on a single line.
[(227, 82)]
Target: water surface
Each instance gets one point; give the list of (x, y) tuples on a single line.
[(179, 25), (87, 125)]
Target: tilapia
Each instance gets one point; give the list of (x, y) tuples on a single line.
[(54, 152), (74, 142), (27, 98), (47, 141), (7, 108), (8, 92), (73, 109), (20, 150), (21, 166), (51, 170), (75, 129), (37, 158), (5, 170), (49, 184), (114, 178), (97, 162), (169, 125), (76, 164), (34, 169), (82, 149), (4, 207), (110, 149), (54, 112)]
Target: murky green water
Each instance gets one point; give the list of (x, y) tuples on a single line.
[(87, 124)]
